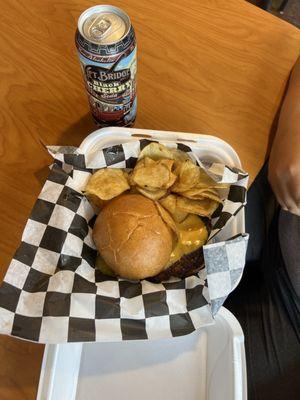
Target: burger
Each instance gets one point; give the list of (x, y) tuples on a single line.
[(135, 241), (153, 219)]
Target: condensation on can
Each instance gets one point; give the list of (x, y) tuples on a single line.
[(106, 47)]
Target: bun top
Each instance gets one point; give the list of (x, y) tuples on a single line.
[(132, 238)]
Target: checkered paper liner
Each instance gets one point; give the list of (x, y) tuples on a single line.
[(53, 294)]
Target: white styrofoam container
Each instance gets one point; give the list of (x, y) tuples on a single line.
[(208, 364)]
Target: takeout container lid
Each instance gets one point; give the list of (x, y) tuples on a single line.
[(207, 364), (212, 358)]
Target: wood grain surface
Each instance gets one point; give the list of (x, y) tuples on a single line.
[(210, 66)]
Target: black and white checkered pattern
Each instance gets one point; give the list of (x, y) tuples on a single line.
[(52, 292)]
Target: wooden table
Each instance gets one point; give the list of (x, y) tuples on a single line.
[(213, 67)]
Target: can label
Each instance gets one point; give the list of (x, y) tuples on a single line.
[(110, 80)]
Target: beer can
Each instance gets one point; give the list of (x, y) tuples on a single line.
[(106, 45)]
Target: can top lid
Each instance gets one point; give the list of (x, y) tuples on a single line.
[(103, 24)]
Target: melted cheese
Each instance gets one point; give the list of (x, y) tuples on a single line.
[(103, 267), (192, 234)]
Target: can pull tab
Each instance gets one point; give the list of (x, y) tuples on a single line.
[(99, 27)]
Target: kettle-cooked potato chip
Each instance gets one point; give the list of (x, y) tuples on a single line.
[(159, 171), (204, 207), (166, 217), (192, 180), (170, 204), (107, 183), (207, 182), (152, 194), (156, 151), (188, 176), (96, 201), (198, 193), (153, 174)]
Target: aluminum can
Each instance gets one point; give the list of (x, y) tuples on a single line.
[(106, 46)]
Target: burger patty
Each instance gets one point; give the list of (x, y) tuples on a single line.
[(188, 265)]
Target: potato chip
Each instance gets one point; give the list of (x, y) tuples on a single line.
[(169, 203), (154, 194), (156, 151), (179, 155), (153, 174), (201, 193), (134, 189), (211, 194), (188, 176), (193, 178), (166, 217), (107, 183), (204, 207), (96, 201), (206, 181)]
